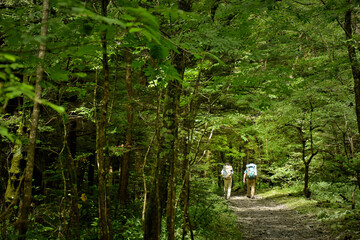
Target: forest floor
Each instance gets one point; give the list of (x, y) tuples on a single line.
[(262, 218)]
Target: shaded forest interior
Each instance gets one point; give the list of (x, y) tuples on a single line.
[(117, 116)]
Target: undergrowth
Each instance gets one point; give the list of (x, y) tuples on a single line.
[(210, 214)]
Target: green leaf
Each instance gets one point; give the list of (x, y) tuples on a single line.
[(57, 108), (80, 74), (9, 57), (5, 133), (144, 16), (158, 52), (14, 89), (87, 13), (3, 76), (170, 72), (135, 30), (216, 58), (58, 75)]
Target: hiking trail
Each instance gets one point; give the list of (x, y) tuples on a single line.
[(266, 219)]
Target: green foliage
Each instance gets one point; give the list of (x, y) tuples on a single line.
[(255, 73), (11, 86), (129, 230), (210, 215)]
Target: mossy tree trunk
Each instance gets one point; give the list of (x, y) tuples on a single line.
[(15, 172)]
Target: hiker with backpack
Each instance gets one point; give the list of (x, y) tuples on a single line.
[(250, 176), (227, 173)]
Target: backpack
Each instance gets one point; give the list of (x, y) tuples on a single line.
[(251, 171), (227, 172)]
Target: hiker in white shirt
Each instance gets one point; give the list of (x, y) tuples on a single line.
[(227, 173)]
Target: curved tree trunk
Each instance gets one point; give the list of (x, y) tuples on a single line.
[(22, 225)]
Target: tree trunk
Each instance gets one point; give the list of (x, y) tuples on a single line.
[(22, 225), (172, 103), (185, 194), (312, 149), (306, 181), (104, 216), (152, 222), (125, 166), (355, 67), (186, 200), (307, 192), (73, 228), (189, 121), (165, 174), (152, 211), (169, 152)]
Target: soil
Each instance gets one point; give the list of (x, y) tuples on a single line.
[(265, 219)]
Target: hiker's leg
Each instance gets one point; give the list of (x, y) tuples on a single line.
[(248, 187), (229, 188), (226, 187), (252, 187)]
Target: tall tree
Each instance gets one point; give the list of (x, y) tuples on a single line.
[(73, 227), (105, 227), (26, 198), (165, 166), (125, 166), (350, 28)]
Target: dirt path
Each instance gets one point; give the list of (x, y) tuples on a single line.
[(265, 219)]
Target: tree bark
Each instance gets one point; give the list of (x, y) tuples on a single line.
[(165, 168), (152, 211), (22, 225), (73, 228), (355, 67), (104, 216), (306, 181), (125, 166), (170, 140), (189, 122), (170, 153), (164, 184)]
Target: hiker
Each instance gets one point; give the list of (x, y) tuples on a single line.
[(250, 175), (227, 173)]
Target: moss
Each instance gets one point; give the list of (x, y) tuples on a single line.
[(14, 172)]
